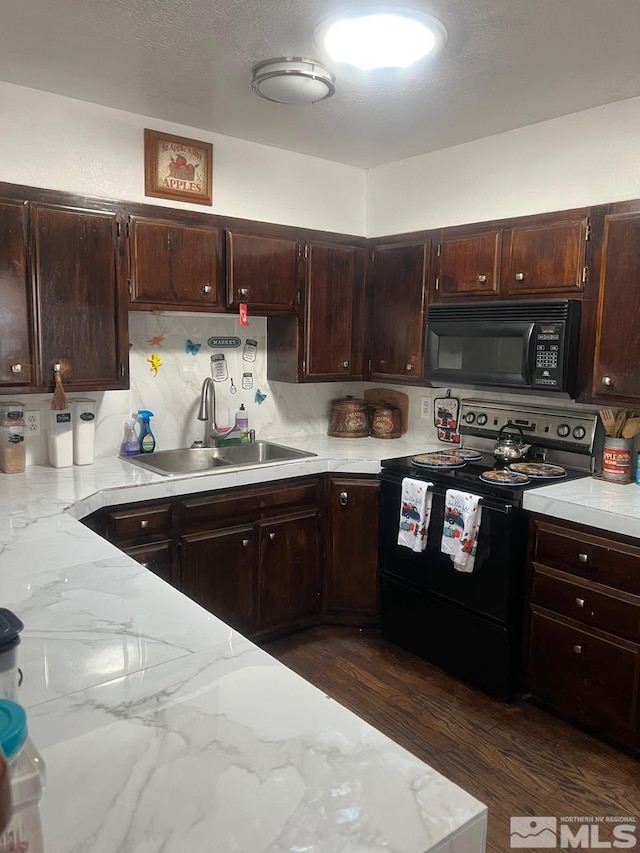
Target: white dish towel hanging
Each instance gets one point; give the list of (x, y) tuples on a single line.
[(462, 516), (415, 514)]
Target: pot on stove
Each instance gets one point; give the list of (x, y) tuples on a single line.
[(510, 448)]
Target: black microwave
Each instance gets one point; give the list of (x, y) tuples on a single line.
[(527, 346)]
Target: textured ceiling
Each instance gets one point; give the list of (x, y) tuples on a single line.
[(507, 63)]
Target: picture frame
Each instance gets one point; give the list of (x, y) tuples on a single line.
[(177, 168)]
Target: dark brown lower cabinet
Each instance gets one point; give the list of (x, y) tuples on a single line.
[(157, 557), (584, 630), (218, 570), (289, 570), (351, 567)]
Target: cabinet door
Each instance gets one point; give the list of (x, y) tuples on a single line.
[(396, 335), (157, 558), (263, 272), (15, 298), (81, 317), (289, 585), (591, 678), (333, 295), (351, 581), (174, 265), (469, 265), (616, 371), (218, 570), (546, 258)]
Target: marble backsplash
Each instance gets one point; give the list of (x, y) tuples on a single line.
[(288, 410)]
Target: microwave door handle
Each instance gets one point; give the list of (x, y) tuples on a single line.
[(528, 354)]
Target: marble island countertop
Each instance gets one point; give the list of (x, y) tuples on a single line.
[(165, 730)]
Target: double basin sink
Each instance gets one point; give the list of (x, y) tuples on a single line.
[(206, 460)]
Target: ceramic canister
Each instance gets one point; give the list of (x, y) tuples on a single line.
[(348, 418)]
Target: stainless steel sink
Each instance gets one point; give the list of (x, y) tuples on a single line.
[(206, 460)]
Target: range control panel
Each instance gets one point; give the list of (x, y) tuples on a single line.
[(542, 426)]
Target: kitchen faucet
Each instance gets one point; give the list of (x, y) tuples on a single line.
[(207, 412)]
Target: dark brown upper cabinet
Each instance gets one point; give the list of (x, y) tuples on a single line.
[(264, 272), (616, 375), (469, 265), (397, 276), (325, 343), (16, 352), (175, 265), (81, 315), (547, 257)]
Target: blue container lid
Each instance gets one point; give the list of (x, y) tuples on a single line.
[(13, 727), (10, 627)]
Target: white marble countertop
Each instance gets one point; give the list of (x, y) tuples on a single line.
[(165, 730)]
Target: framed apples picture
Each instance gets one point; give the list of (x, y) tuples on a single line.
[(177, 168)]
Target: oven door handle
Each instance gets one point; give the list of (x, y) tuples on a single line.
[(498, 507)]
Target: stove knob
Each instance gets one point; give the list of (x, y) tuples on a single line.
[(469, 418), (564, 430), (482, 419), (579, 432)]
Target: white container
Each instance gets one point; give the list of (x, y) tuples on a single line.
[(27, 775), (60, 438), (84, 430)]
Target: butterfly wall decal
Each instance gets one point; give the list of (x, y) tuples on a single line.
[(260, 397), (191, 347)]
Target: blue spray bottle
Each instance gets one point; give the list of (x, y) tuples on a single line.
[(147, 440)]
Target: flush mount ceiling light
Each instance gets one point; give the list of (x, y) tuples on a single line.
[(292, 80), (382, 37)]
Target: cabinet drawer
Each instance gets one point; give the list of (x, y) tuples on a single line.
[(156, 558), (591, 678), (603, 560), (139, 524), (196, 513), (609, 611)]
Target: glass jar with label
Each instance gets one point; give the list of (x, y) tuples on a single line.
[(12, 445)]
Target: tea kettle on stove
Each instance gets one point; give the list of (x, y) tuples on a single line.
[(510, 448)]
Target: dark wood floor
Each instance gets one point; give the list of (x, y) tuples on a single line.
[(516, 759)]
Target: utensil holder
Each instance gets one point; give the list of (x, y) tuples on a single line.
[(616, 459)]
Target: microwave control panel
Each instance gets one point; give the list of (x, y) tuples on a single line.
[(548, 364)]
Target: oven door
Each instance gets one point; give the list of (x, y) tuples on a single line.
[(472, 353), (494, 588)]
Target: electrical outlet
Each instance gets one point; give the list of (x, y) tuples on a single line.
[(32, 423), (425, 407)]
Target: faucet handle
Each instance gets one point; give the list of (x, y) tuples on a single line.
[(252, 436)]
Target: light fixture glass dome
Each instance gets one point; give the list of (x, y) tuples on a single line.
[(292, 80), (382, 37)]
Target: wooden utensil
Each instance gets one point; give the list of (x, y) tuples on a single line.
[(619, 423), (631, 428), (608, 420)]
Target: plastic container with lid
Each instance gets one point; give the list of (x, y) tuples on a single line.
[(13, 458), (10, 628), (27, 775), (11, 412)]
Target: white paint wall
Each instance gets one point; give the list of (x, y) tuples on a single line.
[(63, 144), (586, 158)]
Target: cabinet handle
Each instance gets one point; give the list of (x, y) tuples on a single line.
[(580, 602), (577, 650), (144, 563), (207, 288), (584, 558), (345, 364), (606, 380), (482, 279), (245, 543), (409, 368), (16, 368), (519, 276), (272, 536), (144, 523), (243, 292), (344, 498)]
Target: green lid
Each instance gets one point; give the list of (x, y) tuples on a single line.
[(13, 727)]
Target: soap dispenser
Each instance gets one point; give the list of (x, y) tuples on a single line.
[(147, 439)]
